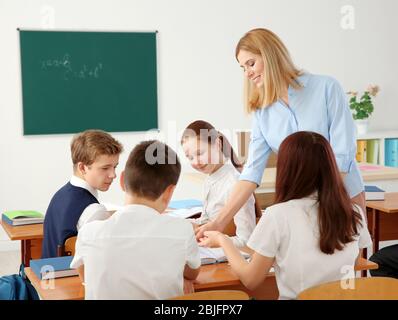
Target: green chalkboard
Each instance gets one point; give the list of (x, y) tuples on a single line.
[(73, 81)]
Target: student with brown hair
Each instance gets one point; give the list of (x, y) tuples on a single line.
[(210, 152), (284, 99), (95, 156), (139, 253), (313, 234)]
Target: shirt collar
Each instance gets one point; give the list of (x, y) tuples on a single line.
[(139, 208), (78, 182)]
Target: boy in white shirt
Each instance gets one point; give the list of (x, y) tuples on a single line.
[(138, 253)]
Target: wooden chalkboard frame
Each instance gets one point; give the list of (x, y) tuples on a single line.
[(78, 80)]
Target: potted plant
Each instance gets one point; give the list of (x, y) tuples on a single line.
[(362, 109)]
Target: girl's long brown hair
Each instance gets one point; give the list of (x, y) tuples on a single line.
[(204, 130), (305, 165)]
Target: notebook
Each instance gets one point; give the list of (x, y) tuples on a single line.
[(185, 204), (51, 268), (374, 193), (22, 217), (215, 255), (185, 213)]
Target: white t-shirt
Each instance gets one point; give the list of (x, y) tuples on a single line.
[(217, 188), (289, 232), (92, 212), (135, 254)]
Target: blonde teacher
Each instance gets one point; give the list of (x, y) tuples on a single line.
[(284, 100)]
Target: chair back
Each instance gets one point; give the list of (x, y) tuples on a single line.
[(68, 249), (363, 264), (215, 295), (375, 288)]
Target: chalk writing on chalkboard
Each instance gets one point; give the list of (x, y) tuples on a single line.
[(69, 71)]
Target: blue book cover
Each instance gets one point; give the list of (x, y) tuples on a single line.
[(50, 268), (373, 189), (6, 219), (391, 152), (185, 204)]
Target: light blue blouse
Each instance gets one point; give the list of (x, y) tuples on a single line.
[(320, 106)]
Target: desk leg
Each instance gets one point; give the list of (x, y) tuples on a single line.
[(376, 231), (364, 273), (22, 251), (25, 252)]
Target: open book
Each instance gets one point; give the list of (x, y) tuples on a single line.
[(185, 213), (215, 255)]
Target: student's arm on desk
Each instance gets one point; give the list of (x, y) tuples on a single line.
[(189, 276), (238, 197), (252, 273)]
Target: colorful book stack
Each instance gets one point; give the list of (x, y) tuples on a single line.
[(22, 217), (391, 152), (361, 151)]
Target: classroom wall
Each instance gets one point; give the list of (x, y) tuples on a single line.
[(198, 76)]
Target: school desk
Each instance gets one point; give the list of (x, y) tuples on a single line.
[(211, 277), (31, 237), (383, 219)]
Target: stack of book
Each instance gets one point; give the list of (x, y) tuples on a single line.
[(51, 268), (374, 193), (22, 217)]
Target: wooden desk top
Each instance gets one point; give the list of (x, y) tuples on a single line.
[(388, 205), (217, 275), (26, 232), (69, 288)]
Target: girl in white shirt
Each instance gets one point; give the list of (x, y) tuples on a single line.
[(210, 153), (313, 234)]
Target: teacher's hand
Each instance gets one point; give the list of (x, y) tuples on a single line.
[(210, 226)]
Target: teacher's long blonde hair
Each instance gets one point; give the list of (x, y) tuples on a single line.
[(279, 70)]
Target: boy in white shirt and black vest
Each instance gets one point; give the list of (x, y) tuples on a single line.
[(95, 156), (140, 253)]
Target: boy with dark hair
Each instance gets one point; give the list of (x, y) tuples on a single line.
[(139, 253)]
